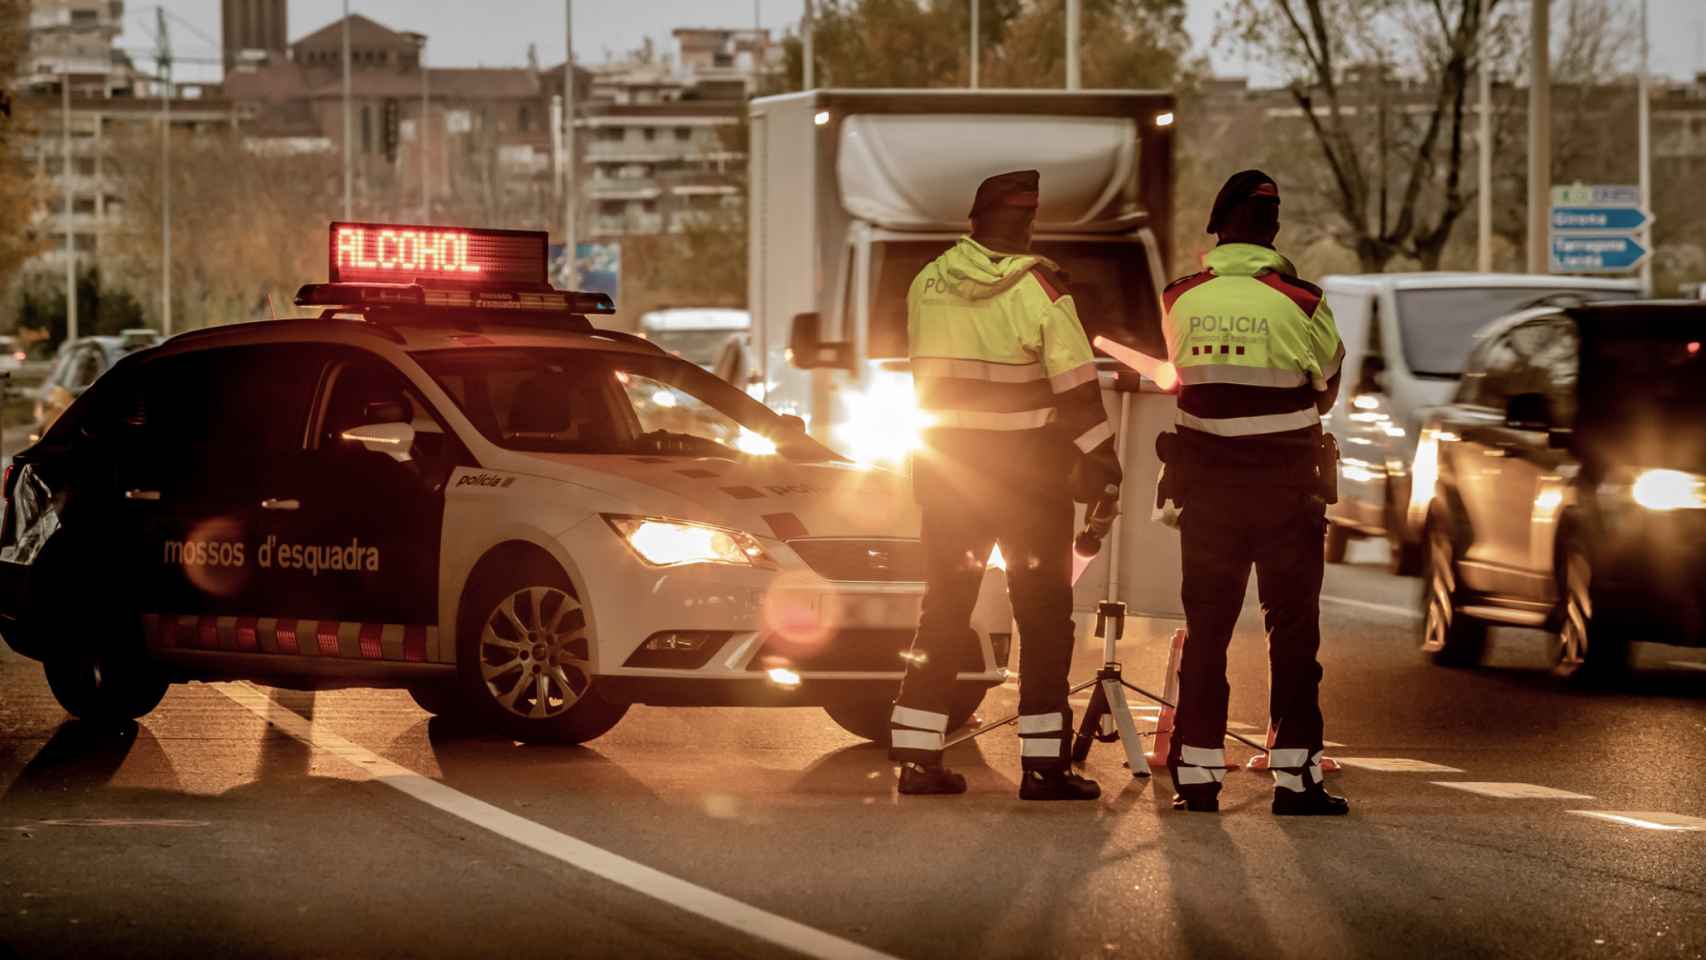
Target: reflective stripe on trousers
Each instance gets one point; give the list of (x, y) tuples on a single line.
[(1296, 769), (1043, 739), (1199, 766), (916, 735)]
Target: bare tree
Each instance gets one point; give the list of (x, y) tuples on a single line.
[(1382, 86), (20, 189)]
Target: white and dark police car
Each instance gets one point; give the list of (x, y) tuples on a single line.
[(450, 482)]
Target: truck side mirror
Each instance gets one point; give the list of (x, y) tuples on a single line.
[(807, 349), (1528, 411)]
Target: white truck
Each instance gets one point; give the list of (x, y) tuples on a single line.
[(854, 191)]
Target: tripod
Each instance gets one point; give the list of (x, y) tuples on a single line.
[(1108, 718)]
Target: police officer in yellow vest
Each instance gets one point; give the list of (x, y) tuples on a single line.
[(1258, 359), (1004, 373)]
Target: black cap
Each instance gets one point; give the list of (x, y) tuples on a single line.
[(1243, 186), (1015, 189)]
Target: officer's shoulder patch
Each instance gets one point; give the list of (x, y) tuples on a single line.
[(1051, 281), (1306, 295), (1178, 288)]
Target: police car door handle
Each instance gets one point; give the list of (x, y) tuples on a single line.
[(142, 494), (275, 503)]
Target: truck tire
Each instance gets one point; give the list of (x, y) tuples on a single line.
[(1338, 541), (1449, 638), (105, 688), (532, 684)]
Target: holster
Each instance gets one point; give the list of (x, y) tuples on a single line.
[(1327, 468)]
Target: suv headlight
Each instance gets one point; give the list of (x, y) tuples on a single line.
[(1668, 490), (671, 543)]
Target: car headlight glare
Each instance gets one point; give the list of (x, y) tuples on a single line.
[(1669, 490), (670, 543)]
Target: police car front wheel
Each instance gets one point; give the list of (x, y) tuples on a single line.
[(105, 688), (526, 662)]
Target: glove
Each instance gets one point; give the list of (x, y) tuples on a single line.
[(1095, 473)]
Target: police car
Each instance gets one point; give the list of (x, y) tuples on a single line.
[(451, 482)]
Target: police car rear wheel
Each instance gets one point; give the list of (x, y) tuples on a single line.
[(105, 688), (527, 663)]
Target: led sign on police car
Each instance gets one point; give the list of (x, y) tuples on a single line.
[(398, 253)]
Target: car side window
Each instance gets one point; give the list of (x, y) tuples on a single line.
[(86, 366), (1555, 363), (365, 390), (219, 420)]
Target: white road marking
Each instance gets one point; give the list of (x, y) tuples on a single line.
[(1390, 610), (1395, 765), (1688, 664), (1646, 821), (1512, 791), (621, 871)]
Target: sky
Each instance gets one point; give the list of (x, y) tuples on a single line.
[(497, 32)]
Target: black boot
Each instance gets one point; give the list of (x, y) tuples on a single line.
[(1197, 801), (1313, 802), (1058, 784), (918, 779)]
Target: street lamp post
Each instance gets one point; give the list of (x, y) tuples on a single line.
[(70, 234), (974, 44), (571, 276), (348, 128), (1539, 135), (421, 131), (1645, 140), (1074, 21)]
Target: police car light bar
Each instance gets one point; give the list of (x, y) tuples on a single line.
[(400, 253)]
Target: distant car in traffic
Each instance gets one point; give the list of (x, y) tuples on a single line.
[(12, 356), (699, 335), (76, 366), (465, 490), (1406, 336), (1564, 486)]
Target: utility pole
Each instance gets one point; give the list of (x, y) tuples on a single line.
[(571, 271), (163, 61), (1074, 18), (70, 235), (1646, 158), (348, 134), (1484, 160), (808, 56), (974, 44), (421, 131), (1539, 135)]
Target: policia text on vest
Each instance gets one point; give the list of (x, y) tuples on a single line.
[(1004, 372), (1258, 360)]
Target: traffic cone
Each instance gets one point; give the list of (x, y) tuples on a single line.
[(1259, 762), (1163, 741)]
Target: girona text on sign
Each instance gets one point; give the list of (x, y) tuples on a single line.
[(411, 252)]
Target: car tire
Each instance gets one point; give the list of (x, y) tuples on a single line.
[(524, 657), (105, 688), (1449, 638), (1338, 542), (1583, 650), (869, 719)]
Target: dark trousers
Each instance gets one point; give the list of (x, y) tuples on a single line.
[(1035, 535), (1224, 532)]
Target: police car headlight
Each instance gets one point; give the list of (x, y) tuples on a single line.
[(671, 543), (1668, 490)]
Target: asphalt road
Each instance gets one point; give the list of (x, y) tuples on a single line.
[(236, 819)]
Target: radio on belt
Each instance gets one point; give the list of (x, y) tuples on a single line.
[(408, 265)]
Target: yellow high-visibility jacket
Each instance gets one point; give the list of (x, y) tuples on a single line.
[(997, 350), (1254, 347)]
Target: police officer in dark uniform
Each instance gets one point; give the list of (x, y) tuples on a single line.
[(1258, 359)]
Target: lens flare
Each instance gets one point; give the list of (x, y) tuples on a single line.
[(800, 613)]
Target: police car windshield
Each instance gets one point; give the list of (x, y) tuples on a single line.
[(605, 402), (1439, 324)]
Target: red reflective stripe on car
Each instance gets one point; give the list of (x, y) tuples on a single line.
[(369, 637), (414, 644), (207, 633), (286, 636), (327, 636), (247, 638)]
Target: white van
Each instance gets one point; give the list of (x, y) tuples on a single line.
[(1406, 336)]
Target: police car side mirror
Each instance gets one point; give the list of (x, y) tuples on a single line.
[(395, 440), (807, 349)]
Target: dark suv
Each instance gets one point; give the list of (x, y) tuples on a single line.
[(1565, 486)]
